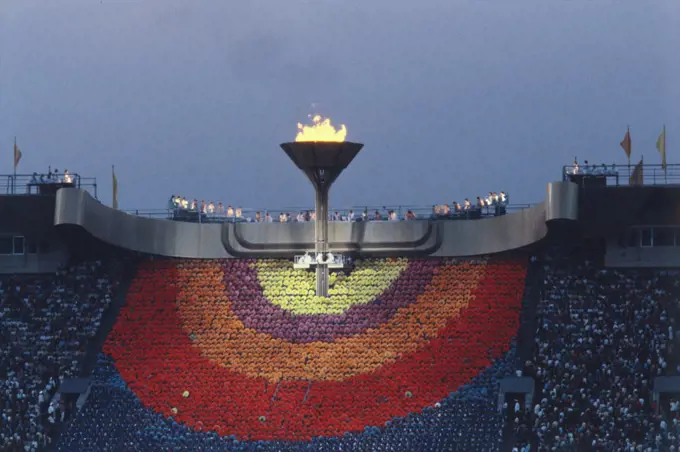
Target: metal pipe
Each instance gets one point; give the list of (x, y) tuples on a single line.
[(321, 240)]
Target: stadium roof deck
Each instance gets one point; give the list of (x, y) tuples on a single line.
[(622, 175), (451, 237), (613, 175), (617, 174)]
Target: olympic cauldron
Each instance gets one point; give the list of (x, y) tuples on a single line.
[(322, 154)]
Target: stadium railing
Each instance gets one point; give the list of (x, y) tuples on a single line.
[(624, 175), (24, 184), (248, 214)]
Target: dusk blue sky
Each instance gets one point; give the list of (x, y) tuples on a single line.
[(451, 98)]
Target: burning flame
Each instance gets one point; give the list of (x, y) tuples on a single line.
[(321, 130)]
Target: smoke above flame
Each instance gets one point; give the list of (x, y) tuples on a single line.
[(320, 130)]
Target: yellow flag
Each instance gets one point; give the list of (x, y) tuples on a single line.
[(638, 177), (661, 146), (115, 188), (17, 155), (626, 144)]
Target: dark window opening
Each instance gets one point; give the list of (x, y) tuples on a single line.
[(6, 245), (664, 237), (634, 238), (31, 247), (18, 245), (44, 247)]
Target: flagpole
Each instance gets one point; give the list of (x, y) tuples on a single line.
[(14, 164), (665, 165), (629, 148)]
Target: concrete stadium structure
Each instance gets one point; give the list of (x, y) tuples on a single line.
[(441, 238), (212, 341)]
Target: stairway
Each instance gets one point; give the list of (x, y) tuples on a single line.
[(108, 318), (529, 317), (525, 335), (124, 277)]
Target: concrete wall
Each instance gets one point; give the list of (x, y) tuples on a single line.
[(30, 215), (420, 237), (561, 201), (33, 263), (146, 235), (363, 238), (627, 257), (604, 211), (493, 235)]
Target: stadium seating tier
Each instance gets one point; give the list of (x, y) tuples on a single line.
[(224, 348)]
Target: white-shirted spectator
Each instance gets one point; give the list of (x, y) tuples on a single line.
[(601, 342), (45, 325)]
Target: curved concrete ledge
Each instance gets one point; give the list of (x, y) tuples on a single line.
[(436, 238), (493, 235), (561, 201), (214, 241), (145, 235), (362, 238)]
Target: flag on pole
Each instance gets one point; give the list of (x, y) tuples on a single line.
[(638, 177), (17, 154), (626, 144), (114, 179), (661, 146)]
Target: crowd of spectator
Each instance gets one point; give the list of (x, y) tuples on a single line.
[(45, 324), (495, 203), (602, 339), (603, 336), (52, 177), (172, 398), (46, 183), (115, 420), (591, 170)]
